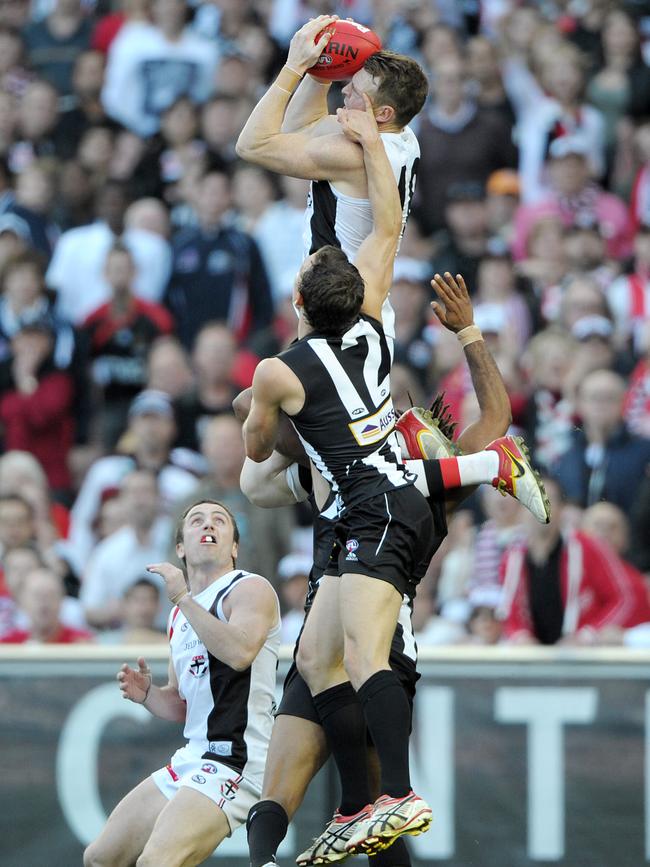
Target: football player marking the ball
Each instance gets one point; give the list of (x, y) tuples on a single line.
[(224, 633), (334, 385), (291, 132)]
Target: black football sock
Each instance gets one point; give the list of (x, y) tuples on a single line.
[(397, 855), (266, 827), (387, 713), (344, 725)]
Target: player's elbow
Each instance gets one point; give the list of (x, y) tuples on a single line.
[(242, 659)]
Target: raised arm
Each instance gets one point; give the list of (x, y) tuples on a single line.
[(307, 108), (298, 154), (376, 255), (456, 314), (252, 611)]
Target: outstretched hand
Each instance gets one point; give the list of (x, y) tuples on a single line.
[(174, 579), (304, 50), (359, 126), (135, 685), (456, 311)]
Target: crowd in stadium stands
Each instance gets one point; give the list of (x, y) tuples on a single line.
[(144, 270)]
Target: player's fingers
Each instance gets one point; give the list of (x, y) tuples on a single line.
[(368, 103), (451, 283), (440, 313), (142, 665), (441, 289), (461, 282), (325, 38)]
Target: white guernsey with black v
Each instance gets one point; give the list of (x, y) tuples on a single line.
[(332, 217), (229, 713)]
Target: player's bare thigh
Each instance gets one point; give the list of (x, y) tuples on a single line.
[(186, 832), (369, 608), (128, 828), (297, 752), (320, 652)]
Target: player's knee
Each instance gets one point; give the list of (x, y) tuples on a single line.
[(360, 663)]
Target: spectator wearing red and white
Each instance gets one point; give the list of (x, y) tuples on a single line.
[(501, 529), (640, 197), (496, 287), (560, 115), (586, 253), (547, 416), (636, 407), (150, 435), (575, 199), (566, 588), (629, 295), (21, 474), (76, 271), (16, 564), (151, 65), (41, 598), (115, 340)]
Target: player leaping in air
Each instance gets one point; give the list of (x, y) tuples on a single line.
[(334, 385)]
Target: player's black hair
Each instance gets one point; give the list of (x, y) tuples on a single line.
[(401, 81), (332, 291)]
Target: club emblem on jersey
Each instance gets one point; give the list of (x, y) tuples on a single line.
[(209, 769), (229, 789), (221, 748), (199, 779), (351, 546), (199, 665)]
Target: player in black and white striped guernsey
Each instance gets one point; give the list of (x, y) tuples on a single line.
[(333, 384), (224, 633)]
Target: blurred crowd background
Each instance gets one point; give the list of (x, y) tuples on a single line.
[(144, 270)]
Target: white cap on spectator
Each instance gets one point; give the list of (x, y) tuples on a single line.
[(592, 326), (490, 318), (566, 145), (151, 402), (293, 565), (487, 596), (409, 270), (456, 610)]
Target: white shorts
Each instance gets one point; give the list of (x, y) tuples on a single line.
[(230, 791)]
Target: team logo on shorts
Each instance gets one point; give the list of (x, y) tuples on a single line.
[(199, 665), (351, 546), (199, 779), (209, 769), (229, 789)]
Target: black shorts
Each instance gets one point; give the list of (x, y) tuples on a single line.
[(390, 537), (297, 700)]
